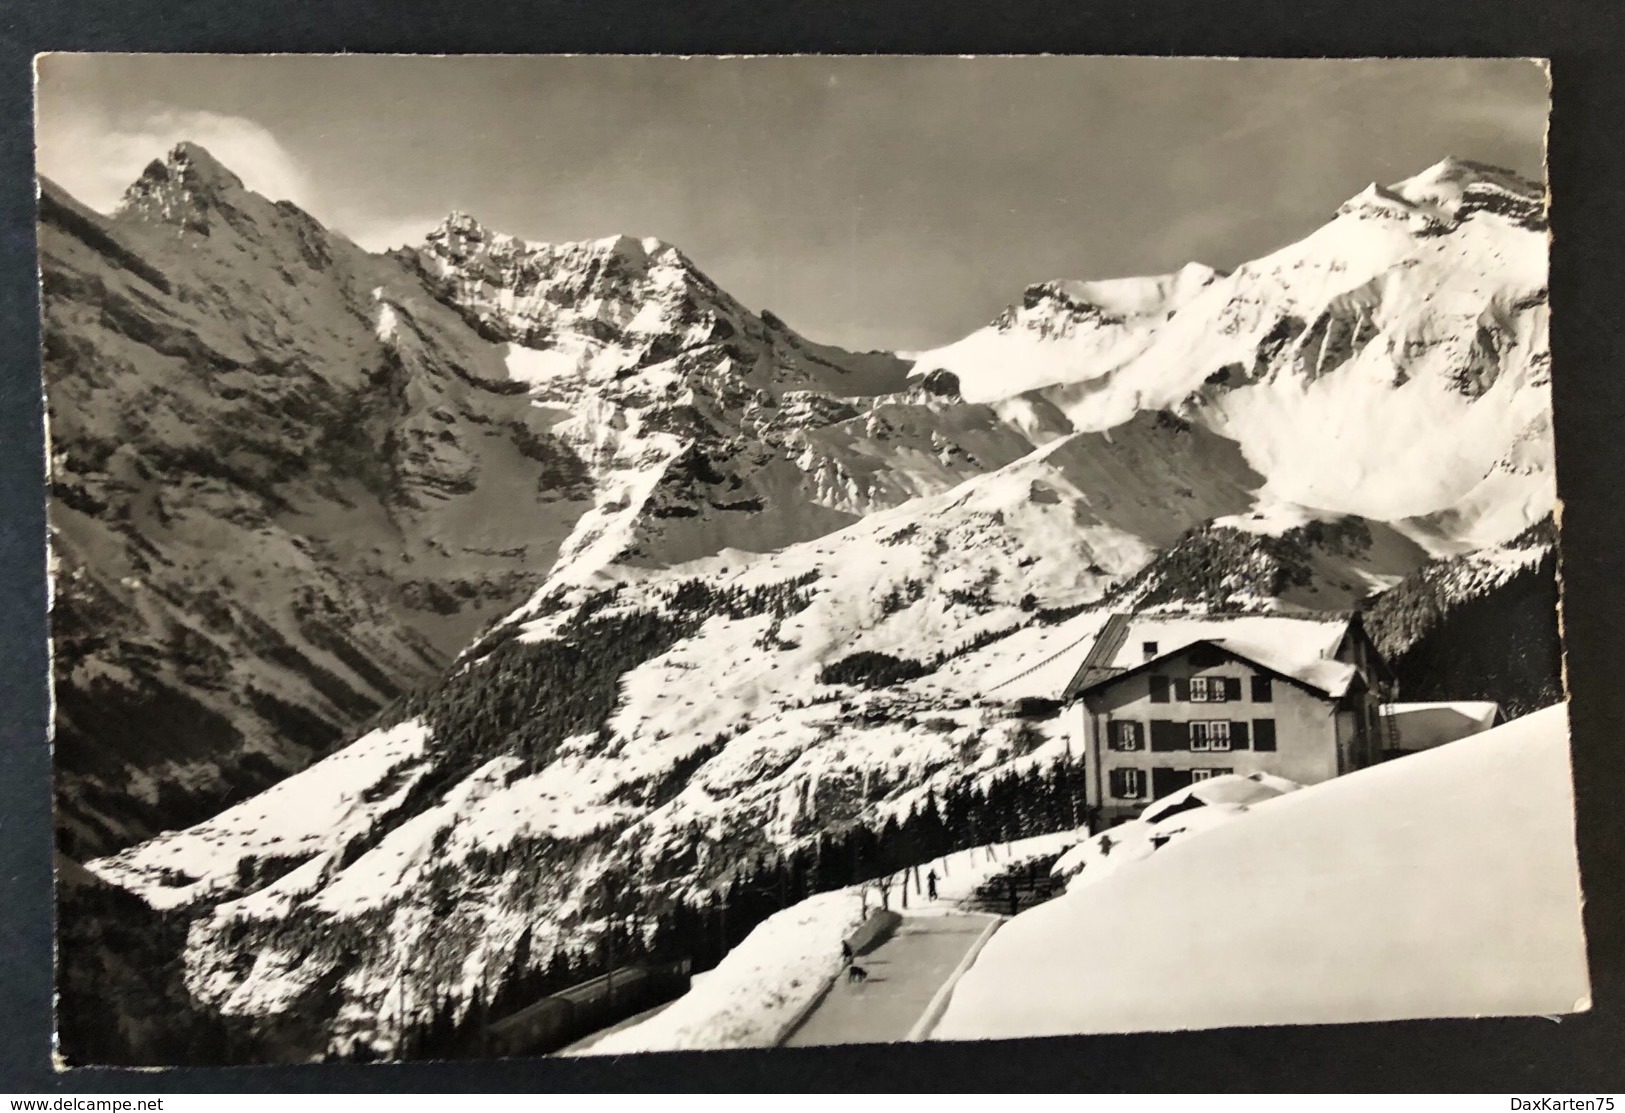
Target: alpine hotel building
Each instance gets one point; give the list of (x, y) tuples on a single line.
[(1162, 701)]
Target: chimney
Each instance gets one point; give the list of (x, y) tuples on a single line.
[(1150, 649)]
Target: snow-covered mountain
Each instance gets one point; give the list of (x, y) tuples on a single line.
[(267, 518), (1393, 364), (789, 588), (292, 480)]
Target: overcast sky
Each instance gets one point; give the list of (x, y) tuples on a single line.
[(871, 202)]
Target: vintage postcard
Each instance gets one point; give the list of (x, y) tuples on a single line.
[(573, 555)]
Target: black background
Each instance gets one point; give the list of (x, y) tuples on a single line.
[(1577, 1055)]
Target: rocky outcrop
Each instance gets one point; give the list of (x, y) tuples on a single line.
[(270, 515)]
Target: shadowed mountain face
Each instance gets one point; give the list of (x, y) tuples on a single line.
[(268, 516), (667, 587), (291, 480)]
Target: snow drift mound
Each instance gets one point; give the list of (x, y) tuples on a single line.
[(1443, 884), (1194, 808)]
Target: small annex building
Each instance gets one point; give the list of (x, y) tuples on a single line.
[(1164, 700), (1410, 728)]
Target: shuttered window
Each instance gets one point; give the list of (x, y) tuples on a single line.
[(1166, 781), (1211, 735), (1159, 689), (1128, 784), (1262, 692), (1167, 737), (1182, 689), (1240, 736), (1215, 689), (1263, 734), (1127, 735)]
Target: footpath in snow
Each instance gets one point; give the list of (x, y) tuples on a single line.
[(769, 987), (906, 973), (1443, 884)]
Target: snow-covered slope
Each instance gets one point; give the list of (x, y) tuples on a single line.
[(1442, 884), (286, 473), (598, 727), (1393, 364), (1064, 330)]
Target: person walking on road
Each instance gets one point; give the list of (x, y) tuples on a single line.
[(931, 884)]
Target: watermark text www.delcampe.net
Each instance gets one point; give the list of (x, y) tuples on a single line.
[(1581, 1105), (88, 1105)]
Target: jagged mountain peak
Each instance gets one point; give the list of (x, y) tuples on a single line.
[(461, 235), (188, 178), (1452, 176), (598, 311), (193, 161), (1452, 189)]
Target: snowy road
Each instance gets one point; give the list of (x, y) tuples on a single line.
[(905, 973)]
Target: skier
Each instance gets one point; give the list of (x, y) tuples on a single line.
[(931, 884)]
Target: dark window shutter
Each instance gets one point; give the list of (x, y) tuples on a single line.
[(1139, 735), (1263, 734), (1238, 734), (1167, 737), (1159, 689), (1182, 690), (1232, 688), (1165, 781), (1261, 689)]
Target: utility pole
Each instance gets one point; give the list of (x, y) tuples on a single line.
[(400, 1009), (485, 1011), (722, 908), (609, 963)]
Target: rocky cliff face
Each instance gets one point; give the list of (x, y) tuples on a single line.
[(268, 516), (785, 589), (291, 480)]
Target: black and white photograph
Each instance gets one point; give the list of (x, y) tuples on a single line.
[(582, 555)]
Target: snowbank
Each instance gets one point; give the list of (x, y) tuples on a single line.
[(758, 989), (1440, 884), (1177, 815), (959, 873)]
